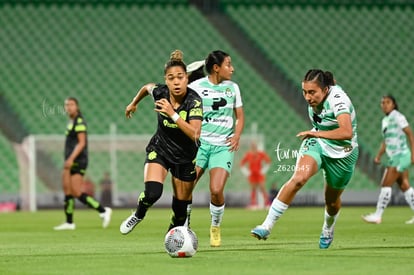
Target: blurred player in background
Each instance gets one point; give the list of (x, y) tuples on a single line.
[(331, 145), (76, 162), (396, 131), (222, 126), (257, 162), (173, 147)]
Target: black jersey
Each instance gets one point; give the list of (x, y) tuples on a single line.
[(74, 127), (169, 140)]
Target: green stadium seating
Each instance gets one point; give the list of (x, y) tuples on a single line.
[(103, 53)]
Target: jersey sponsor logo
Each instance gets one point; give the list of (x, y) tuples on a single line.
[(218, 102), (168, 124), (196, 112), (152, 155)]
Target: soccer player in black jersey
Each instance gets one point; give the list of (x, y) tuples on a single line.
[(76, 162), (174, 145)]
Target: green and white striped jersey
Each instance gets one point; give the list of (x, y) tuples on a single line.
[(336, 103), (219, 102), (394, 136)]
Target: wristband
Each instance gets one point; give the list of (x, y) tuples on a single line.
[(175, 117)]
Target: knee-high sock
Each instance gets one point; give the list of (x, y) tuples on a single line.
[(91, 202), (153, 191), (69, 207), (409, 197), (383, 200), (329, 221), (216, 213), (180, 212), (276, 210)]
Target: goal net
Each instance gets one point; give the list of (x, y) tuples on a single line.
[(121, 157)]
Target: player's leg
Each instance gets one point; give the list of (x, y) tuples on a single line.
[(221, 162), (253, 195), (77, 172), (154, 176), (183, 182), (337, 173), (404, 184), (332, 207), (390, 176), (69, 203), (307, 164), (262, 187)]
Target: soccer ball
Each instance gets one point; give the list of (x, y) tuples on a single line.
[(180, 242)]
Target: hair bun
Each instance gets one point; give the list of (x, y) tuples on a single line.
[(176, 55)]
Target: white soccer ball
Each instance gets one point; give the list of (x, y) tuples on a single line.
[(180, 242)]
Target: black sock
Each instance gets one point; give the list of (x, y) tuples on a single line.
[(180, 212), (69, 206), (91, 202), (153, 191)]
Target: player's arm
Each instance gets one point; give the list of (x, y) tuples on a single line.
[(238, 129), (381, 151), (143, 92), (77, 150), (343, 132), (192, 129), (410, 137)]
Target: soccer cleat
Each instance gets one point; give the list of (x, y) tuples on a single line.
[(371, 218), (129, 224), (215, 236), (106, 217), (65, 226), (326, 238), (410, 221), (260, 232)]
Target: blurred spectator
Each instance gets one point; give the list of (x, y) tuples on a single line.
[(106, 189)]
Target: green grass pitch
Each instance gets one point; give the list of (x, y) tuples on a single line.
[(28, 245)]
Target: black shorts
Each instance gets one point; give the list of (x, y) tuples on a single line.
[(79, 167), (182, 171)]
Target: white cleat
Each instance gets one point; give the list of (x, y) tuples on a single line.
[(106, 217), (65, 226), (410, 221), (372, 218), (129, 224)]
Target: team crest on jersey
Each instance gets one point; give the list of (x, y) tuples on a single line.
[(152, 155), (229, 93)]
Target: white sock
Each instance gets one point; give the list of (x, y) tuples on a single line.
[(383, 200), (409, 197), (275, 211), (216, 213), (329, 221)]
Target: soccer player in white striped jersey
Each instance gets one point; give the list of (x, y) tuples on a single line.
[(331, 146), (223, 122), (396, 131)]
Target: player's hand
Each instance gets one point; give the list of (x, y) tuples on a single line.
[(233, 143), (129, 110), (307, 134), (377, 160), (164, 106), (68, 164)]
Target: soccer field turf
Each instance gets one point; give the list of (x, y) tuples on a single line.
[(28, 245)]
